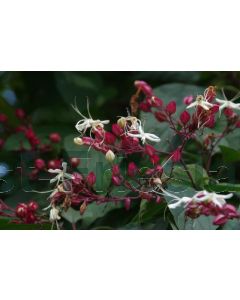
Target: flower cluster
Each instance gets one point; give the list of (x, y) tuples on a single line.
[(207, 204), (146, 176)]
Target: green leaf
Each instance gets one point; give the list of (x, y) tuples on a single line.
[(223, 187), (229, 154), (14, 142), (198, 174)]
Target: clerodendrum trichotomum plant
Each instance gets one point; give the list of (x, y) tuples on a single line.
[(160, 166)]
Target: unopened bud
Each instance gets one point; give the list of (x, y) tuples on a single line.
[(110, 156), (121, 122), (78, 141)]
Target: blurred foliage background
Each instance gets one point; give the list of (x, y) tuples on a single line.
[(47, 97)]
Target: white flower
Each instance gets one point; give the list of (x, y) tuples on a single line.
[(201, 101), (217, 199), (143, 135), (54, 214), (87, 122), (61, 174), (225, 103), (199, 197)]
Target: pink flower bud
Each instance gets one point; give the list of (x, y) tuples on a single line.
[(55, 137), (127, 203), (154, 101), (159, 169), (146, 196), (185, 117), (176, 155), (132, 169), (150, 150), (158, 200), (76, 178), (54, 164), (144, 107), (220, 219), (154, 159), (20, 113), (228, 112), (32, 206), (161, 117), (171, 107), (40, 164), (115, 170), (21, 210), (188, 100), (116, 180), (74, 161), (109, 138), (144, 87), (215, 108), (3, 118), (210, 122), (117, 130), (91, 179)]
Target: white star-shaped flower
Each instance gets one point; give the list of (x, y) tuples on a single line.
[(199, 197), (225, 103), (143, 135), (217, 199), (201, 101), (61, 174)]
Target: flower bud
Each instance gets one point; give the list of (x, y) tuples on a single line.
[(115, 170), (116, 180), (188, 100), (117, 130), (21, 210), (32, 206), (76, 178), (154, 159), (78, 141), (176, 155), (155, 102), (20, 113), (220, 219), (171, 107), (54, 164), (158, 200), (55, 137), (121, 122), (144, 87), (150, 150), (110, 156), (40, 164), (74, 161), (127, 203), (109, 138), (132, 169), (160, 116), (91, 179), (185, 117), (144, 107)]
